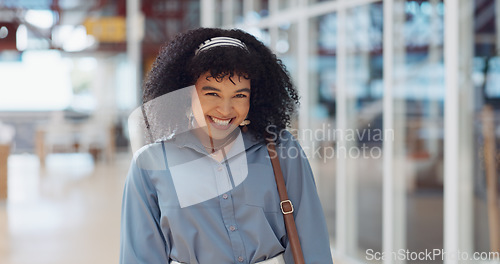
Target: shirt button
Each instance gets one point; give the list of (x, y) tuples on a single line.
[(219, 168), (225, 196), (240, 259), (232, 228)]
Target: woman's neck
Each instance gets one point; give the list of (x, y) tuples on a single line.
[(213, 145)]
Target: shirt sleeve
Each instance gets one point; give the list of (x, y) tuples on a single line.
[(142, 240), (308, 213)]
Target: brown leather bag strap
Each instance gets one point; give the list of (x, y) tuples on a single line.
[(286, 205)]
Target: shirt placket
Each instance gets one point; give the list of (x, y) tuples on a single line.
[(228, 212)]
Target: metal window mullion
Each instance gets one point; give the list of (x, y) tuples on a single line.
[(247, 8), (341, 125), (135, 34), (388, 123), (207, 10), (273, 28), (302, 75), (399, 158), (451, 132), (466, 127), (228, 14)]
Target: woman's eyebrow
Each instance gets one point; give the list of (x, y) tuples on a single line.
[(243, 90), (210, 88)]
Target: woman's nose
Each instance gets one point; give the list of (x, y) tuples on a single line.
[(225, 107)]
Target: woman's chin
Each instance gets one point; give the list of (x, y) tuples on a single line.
[(219, 134)]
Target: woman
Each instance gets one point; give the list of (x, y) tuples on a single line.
[(201, 190)]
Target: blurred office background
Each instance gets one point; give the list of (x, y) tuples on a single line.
[(425, 73)]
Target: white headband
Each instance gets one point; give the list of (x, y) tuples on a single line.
[(220, 41)]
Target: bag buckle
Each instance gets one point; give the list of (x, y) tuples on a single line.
[(283, 210)]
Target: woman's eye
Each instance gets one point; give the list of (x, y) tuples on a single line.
[(240, 96), (212, 94)]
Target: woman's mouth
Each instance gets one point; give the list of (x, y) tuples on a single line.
[(221, 123)]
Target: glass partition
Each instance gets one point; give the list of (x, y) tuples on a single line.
[(363, 135), (484, 116), (419, 116), (322, 83)]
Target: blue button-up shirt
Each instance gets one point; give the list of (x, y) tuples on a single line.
[(182, 204)]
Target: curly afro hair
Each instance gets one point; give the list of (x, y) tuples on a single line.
[(273, 98)]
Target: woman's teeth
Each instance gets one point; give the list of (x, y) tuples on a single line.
[(221, 121)]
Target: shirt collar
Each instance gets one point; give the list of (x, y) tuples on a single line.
[(189, 140)]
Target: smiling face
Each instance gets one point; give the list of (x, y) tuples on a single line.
[(225, 104)]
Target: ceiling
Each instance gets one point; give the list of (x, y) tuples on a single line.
[(45, 19)]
